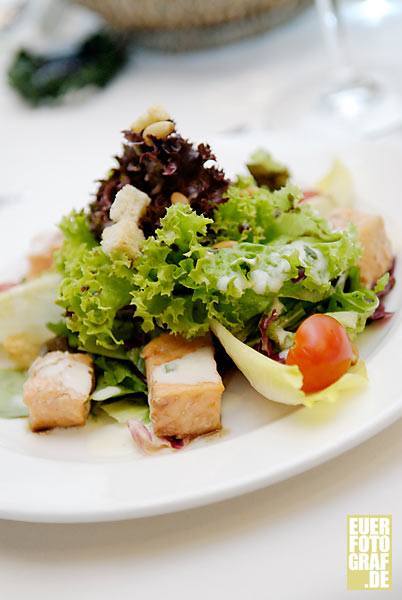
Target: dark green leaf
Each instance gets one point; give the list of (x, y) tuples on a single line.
[(43, 78)]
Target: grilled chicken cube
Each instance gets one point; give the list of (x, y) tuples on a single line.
[(57, 390), (377, 254), (185, 388)]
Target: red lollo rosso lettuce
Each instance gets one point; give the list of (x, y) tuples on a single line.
[(265, 345), (169, 165)]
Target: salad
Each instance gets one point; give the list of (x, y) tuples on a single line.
[(174, 275)]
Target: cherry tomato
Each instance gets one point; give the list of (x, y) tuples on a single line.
[(322, 351)]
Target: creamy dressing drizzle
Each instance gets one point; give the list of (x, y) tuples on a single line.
[(271, 277), (223, 282), (312, 258), (239, 282)]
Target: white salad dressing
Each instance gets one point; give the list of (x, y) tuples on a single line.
[(193, 368), (319, 268), (238, 281), (271, 277), (316, 261), (259, 280), (244, 260), (249, 261), (223, 282), (300, 247)]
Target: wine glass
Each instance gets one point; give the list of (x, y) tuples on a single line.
[(346, 97), (350, 91)]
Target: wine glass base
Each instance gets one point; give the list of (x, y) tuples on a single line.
[(352, 97), (353, 107)]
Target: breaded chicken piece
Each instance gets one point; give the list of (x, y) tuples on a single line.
[(57, 390), (377, 254), (185, 388)]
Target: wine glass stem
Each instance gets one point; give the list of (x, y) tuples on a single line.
[(350, 92), (334, 37)]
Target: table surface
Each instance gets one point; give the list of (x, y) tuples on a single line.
[(285, 542)]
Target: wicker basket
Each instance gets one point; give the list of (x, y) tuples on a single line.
[(186, 24)]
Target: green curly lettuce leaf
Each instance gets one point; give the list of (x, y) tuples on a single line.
[(254, 214), (182, 284), (77, 237), (382, 283), (353, 308), (94, 287), (162, 295), (275, 268), (179, 283)]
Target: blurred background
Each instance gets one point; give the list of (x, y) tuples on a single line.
[(219, 65), (74, 74)]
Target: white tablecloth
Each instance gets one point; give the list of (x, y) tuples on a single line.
[(284, 543)]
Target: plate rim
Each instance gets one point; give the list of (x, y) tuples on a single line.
[(225, 492)]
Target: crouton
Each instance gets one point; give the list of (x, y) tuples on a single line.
[(57, 390), (377, 257), (124, 234), (129, 201), (185, 388)]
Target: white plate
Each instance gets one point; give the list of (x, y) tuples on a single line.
[(95, 474)]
